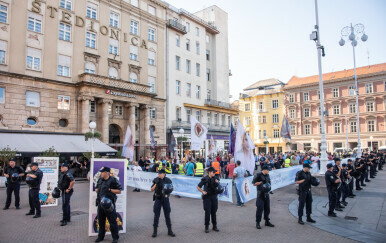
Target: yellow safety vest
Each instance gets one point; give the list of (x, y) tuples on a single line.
[(168, 168), (199, 169), (181, 169), (287, 162)]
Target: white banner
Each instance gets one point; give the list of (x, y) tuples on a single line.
[(197, 134), (183, 185), (50, 168), (118, 170), (244, 149)]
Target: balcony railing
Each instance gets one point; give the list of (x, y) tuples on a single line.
[(217, 103), (114, 83), (211, 127), (176, 26)]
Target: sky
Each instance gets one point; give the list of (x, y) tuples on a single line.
[(270, 38)]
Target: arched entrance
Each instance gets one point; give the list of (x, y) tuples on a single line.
[(114, 134)]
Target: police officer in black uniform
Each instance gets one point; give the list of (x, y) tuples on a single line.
[(357, 173), (338, 172), (209, 196), (303, 179), (13, 174), (34, 179), (332, 183), (350, 171), (107, 187), (261, 181), (345, 183), (161, 200), (66, 185), (363, 171)]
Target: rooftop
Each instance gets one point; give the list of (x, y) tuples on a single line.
[(264, 83)]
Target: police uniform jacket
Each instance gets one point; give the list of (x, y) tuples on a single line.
[(306, 185), (344, 176), (160, 185), (35, 184), (261, 177), (330, 178), (104, 187), (64, 180), (209, 184), (9, 171), (336, 170)]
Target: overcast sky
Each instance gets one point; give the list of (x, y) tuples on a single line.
[(270, 38)]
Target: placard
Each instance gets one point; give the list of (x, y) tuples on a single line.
[(50, 168)]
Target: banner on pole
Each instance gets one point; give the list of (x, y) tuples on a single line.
[(197, 134), (244, 149), (50, 168)]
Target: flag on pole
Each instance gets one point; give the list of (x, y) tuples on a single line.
[(211, 148), (152, 138), (244, 149), (197, 133), (128, 145), (232, 139), (285, 129), (172, 141)]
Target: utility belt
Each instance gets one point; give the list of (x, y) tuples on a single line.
[(263, 195), (160, 196)]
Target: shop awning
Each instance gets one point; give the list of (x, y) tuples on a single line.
[(33, 144)]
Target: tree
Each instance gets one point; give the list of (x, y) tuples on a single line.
[(6, 154), (266, 142), (182, 139), (89, 135), (51, 152)]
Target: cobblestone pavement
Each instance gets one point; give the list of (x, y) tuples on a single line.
[(235, 224)]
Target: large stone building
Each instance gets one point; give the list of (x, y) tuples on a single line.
[(65, 63), (302, 109), (261, 108), (197, 72)]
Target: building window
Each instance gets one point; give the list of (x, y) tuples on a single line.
[(306, 112), (113, 46), (188, 113), (293, 131), (207, 74), (264, 119), (337, 127), (64, 64), (151, 34), (134, 3), (197, 31), (247, 107), (113, 73), (32, 99), (114, 19), (371, 126), (178, 87), (291, 98), (89, 67), (178, 63), (35, 24), (151, 58), (318, 95), (178, 113), (276, 133), (319, 111), (32, 121), (216, 119), (92, 11), (275, 104), (351, 90), (336, 109), (91, 40), (33, 59), (187, 66), (261, 106), (63, 122), (118, 110), (264, 133), (2, 96), (136, 112), (197, 48), (134, 27), (152, 113), (67, 4), (93, 107), (188, 89), (198, 93), (369, 88), (3, 51), (152, 10), (275, 118), (208, 94), (292, 113), (335, 92), (133, 53), (198, 115), (223, 120), (187, 44), (133, 77), (3, 13), (353, 126), (307, 129), (305, 96), (197, 69), (177, 40), (151, 83), (370, 106), (209, 116), (248, 120), (187, 27), (64, 32), (229, 121)]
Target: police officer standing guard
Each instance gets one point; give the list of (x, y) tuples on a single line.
[(66, 184), (304, 180), (332, 183), (107, 187), (263, 184), (13, 174), (34, 178), (162, 187)]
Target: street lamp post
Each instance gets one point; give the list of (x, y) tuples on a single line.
[(92, 126), (315, 36), (181, 131), (353, 32), (371, 141)]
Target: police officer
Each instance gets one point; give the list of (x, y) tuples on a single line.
[(332, 182), (338, 172), (358, 173), (350, 170), (161, 199), (303, 179), (13, 174), (209, 196), (107, 187), (34, 179), (262, 182), (345, 181), (66, 184)]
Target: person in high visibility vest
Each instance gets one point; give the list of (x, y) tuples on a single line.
[(199, 169), (287, 162), (216, 166), (181, 167), (168, 167)]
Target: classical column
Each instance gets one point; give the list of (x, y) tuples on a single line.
[(104, 118), (146, 131), (85, 112)]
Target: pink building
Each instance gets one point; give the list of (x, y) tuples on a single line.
[(302, 107)]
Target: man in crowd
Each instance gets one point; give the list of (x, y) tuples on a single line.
[(136, 168), (216, 166), (263, 185), (239, 172), (34, 179), (66, 184), (199, 171), (13, 174), (190, 168), (230, 168)]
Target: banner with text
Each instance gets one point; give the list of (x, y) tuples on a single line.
[(50, 168)]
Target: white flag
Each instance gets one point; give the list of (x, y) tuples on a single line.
[(212, 147), (197, 134), (244, 149), (128, 146)]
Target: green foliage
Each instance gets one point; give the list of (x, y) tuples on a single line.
[(288, 143), (51, 152), (266, 142), (6, 154), (87, 155), (181, 139), (89, 135)]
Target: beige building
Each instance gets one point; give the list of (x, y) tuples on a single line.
[(64, 63)]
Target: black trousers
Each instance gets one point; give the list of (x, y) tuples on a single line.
[(66, 197), (344, 191), (331, 200), (210, 207), (351, 187), (112, 218), (15, 188), (363, 175), (305, 198), (34, 202), (339, 194), (165, 204), (372, 170), (262, 204), (357, 182)]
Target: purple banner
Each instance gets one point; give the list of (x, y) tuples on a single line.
[(116, 170), (218, 137)]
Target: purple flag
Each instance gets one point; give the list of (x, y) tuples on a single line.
[(232, 140), (285, 129)]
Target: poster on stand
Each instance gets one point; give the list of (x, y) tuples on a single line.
[(118, 170), (50, 168)]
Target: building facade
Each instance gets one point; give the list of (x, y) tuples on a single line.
[(303, 112), (261, 110), (197, 73), (65, 63)]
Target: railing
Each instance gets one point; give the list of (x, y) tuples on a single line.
[(176, 26), (114, 83), (217, 103), (211, 127), (209, 24)]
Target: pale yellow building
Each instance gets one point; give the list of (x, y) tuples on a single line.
[(261, 110)]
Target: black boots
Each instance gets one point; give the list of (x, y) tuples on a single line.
[(300, 221), (154, 232), (206, 228), (258, 225), (267, 223), (170, 232), (215, 228), (310, 220)]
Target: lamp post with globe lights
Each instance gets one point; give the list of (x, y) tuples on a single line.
[(92, 126), (181, 131), (352, 33)]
